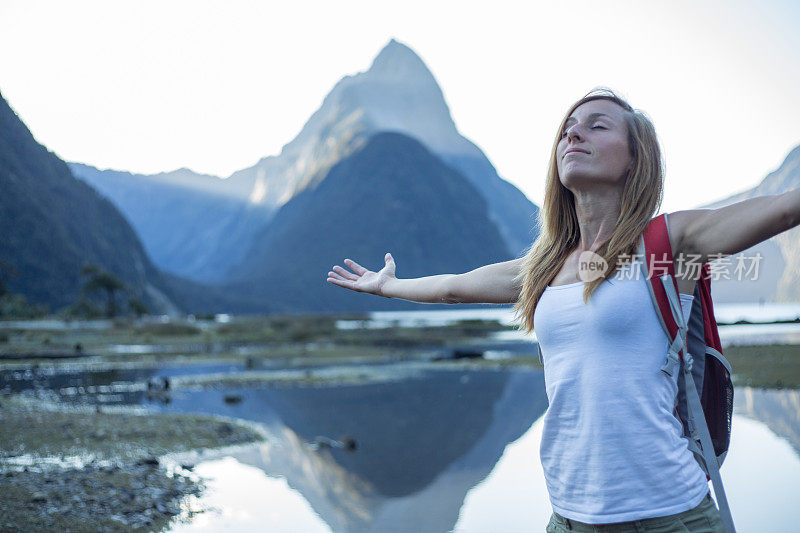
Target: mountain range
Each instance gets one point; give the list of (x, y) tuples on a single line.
[(777, 278), (379, 167), (195, 232)]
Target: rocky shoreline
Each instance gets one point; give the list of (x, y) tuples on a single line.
[(128, 497), (81, 470)]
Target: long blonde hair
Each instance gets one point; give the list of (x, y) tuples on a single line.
[(558, 222)]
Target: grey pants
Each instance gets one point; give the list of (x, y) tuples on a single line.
[(704, 518)]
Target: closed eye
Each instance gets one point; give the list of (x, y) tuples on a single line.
[(596, 127)]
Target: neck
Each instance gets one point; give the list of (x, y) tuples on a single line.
[(597, 211)]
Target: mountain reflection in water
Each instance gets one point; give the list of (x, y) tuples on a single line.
[(436, 448), (493, 487), (778, 409), (422, 442)]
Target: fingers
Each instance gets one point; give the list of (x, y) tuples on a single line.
[(342, 283), (334, 275), (344, 278), (337, 270), (358, 269)]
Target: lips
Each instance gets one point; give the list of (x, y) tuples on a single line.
[(574, 151)]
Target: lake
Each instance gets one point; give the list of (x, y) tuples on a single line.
[(422, 445), (427, 447), (728, 313), (448, 451)]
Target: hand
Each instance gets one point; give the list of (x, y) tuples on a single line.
[(361, 279)]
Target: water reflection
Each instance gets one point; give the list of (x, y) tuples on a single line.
[(779, 410), (455, 473), (436, 449), (762, 478), (243, 499), (514, 497), (422, 442)]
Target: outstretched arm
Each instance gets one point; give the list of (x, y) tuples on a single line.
[(488, 284), (736, 227), (491, 284)]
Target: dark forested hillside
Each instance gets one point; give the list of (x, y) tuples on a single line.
[(51, 224)]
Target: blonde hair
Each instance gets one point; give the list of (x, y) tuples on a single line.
[(558, 222)]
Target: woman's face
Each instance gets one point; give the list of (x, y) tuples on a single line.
[(593, 148)]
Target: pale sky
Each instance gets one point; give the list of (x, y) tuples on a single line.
[(151, 86)]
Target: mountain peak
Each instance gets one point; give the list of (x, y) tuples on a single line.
[(185, 173), (794, 154), (396, 61)]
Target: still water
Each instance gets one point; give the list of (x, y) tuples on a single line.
[(427, 447), (443, 450), (512, 497)]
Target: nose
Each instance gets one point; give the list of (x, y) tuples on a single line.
[(573, 133)]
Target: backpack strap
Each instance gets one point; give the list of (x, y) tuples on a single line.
[(659, 272), (709, 321), (654, 248)]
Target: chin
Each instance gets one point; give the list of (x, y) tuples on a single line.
[(579, 180), (576, 180)]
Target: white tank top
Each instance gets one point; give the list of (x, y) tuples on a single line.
[(611, 447)]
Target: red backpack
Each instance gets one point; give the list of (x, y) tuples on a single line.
[(704, 404)]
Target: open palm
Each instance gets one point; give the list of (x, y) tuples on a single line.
[(361, 279)]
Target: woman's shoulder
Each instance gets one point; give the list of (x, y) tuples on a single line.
[(677, 224)]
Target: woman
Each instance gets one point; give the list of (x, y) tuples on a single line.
[(611, 448)]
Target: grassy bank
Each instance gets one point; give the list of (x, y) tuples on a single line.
[(308, 340), (270, 336), (770, 365)]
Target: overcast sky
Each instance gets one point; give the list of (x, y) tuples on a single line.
[(214, 86)]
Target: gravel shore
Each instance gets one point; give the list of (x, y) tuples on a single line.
[(82, 470)]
